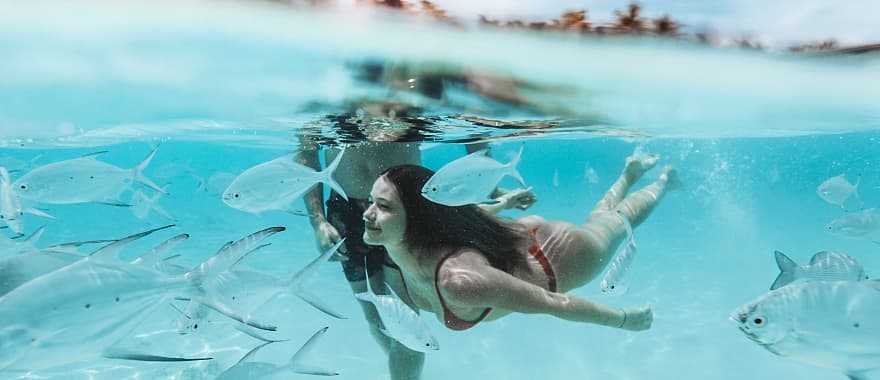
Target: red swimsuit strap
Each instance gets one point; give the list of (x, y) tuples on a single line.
[(536, 252), (452, 321)]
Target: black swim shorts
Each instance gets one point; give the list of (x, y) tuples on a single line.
[(347, 218)]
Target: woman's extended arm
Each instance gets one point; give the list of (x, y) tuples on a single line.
[(486, 286), (519, 198)]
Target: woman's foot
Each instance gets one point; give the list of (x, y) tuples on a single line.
[(638, 163), (670, 177)]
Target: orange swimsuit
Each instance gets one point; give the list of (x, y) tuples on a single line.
[(453, 322)]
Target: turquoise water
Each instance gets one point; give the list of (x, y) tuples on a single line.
[(752, 136)]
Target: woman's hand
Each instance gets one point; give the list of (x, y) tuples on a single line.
[(518, 198), (326, 236), (637, 319)]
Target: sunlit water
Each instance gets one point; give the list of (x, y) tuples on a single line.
[(221, 88)]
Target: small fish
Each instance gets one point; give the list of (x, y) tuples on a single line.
[(400, 322), (836, 190), (556, 178), (142, 205), (9, 247), (276, 184), (824, 266), (864, 225), (590, 175), (216, 183), (615, 281), (828, 324), (245, 369), (11, 211), (81, 180), (469, 180)]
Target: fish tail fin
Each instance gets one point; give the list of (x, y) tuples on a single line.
[(787, 270), (208, 273), (296, 361), (138, 172), (512, 167), (327, 175), (297, 282), (144, 204), (4, 176), (35, 235)]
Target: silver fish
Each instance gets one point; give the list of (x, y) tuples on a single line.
[(276, 184), (469, 180), (837, 190), (81, 180), (11, 211), (400, 322), (247, 290), (10, 247), (16, 270), (143, 204), (88, 307), (614, 282), (863, 224), (824, 266), (245, 369), (828, 324)]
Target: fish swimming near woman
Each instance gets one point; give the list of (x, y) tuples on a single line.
[(246, 369), (863, 225), (87, 308), (614, 282), (824, 266), (11, 211), (82, 180), (247, 290), (828, 324), (276, 184), (400, 321), (470, 179), (837, 190)]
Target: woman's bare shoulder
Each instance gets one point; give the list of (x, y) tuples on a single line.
[(531, 221)]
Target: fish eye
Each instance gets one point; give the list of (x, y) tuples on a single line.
[(236, 195), (23, 187), (434, 188), (759, 321)]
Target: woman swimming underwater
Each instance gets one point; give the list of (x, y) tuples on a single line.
[(466, 265)]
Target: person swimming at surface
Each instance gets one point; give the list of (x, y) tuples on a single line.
[(466, 265)]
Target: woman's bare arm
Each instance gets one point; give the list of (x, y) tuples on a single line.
[(486, 286)]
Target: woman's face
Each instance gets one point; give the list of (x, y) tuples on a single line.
[(385, 219)]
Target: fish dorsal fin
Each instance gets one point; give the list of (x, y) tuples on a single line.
[(151, 258), (310, 269), (4, 176), (821, 256), (787, 270), (112, 250), (296, 361), (785, 263), (93, 154), (257, 248), (230, 254)]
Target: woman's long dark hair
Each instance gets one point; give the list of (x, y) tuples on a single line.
[(431, 226)]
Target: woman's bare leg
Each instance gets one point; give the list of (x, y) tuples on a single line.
[(606, 230), (636, 165)]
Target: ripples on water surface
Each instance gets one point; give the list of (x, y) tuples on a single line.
[(221, 87)]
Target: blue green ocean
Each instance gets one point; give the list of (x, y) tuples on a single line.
[(220, 87)]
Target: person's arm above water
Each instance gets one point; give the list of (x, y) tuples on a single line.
[(481, 285), (325, 234)]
